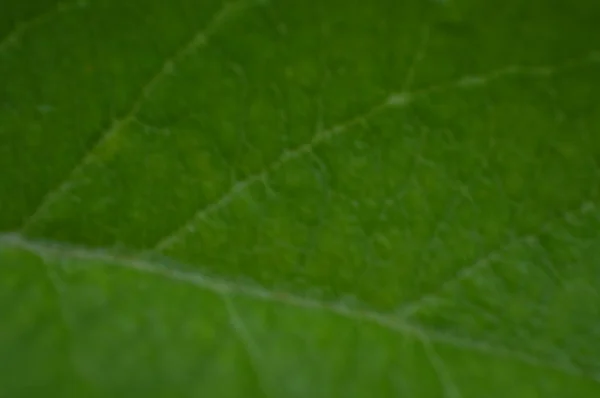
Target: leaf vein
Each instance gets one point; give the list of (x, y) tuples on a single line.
[(463, 273), (49, 250), (198, 40), (394, 100), (22, 27)]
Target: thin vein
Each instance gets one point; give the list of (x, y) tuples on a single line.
[(396, 100), (563, 365), (446, 379), (198, 40), (49, 251), (245, 337), (262, 175), (467, 272), (172, 270), (23, 27), (58, 286)]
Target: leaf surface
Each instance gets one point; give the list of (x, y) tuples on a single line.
[(297, 199)]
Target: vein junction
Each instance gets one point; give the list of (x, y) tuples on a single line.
[(149, 263), (143, 262)]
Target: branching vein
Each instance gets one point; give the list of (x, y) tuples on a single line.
[(397, 100), (174, 272), (253, 350), (468, 271), (23, 27), (58, 286), (142, 262), (446, 380), (199, 40)]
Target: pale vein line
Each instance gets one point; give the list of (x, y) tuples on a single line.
[(22, 27), (396, 100), (241, 186), (199, 40), (564, 365), (245, 337), (54, 250), (51, 250), (446, 380), (431, 299), (57, 284)]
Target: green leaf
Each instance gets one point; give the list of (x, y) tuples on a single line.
[(300, 199)]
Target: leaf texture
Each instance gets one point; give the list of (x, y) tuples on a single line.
[(300, 199)]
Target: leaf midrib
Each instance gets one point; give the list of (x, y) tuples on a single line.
[(174, 271)]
